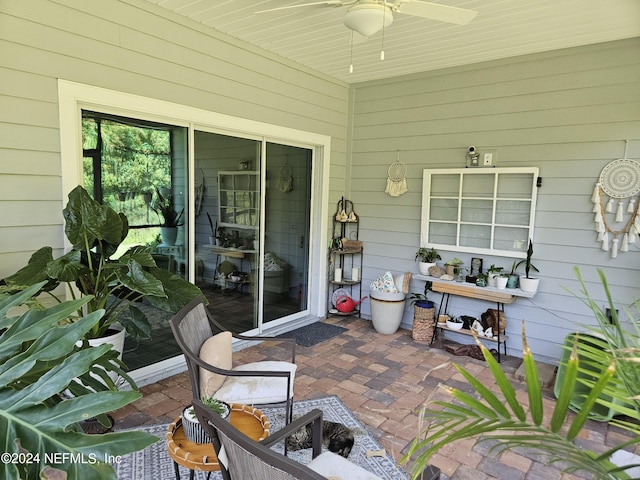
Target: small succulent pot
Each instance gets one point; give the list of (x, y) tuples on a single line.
[(191, 426)]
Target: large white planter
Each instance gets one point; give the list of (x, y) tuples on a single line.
[(529, 284), (386, 311), (116, 340)]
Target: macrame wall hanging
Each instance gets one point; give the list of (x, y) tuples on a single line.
[(620, 182), (285, 183), (397, 178)]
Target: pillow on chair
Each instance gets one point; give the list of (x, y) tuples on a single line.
[(215, 351)]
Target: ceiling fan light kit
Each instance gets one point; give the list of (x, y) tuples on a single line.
[(368, 19)]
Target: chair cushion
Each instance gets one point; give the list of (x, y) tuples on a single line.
[(332, 466), (215, 351), (258, 390)]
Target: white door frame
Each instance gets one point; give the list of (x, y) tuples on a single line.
[(74, 97)]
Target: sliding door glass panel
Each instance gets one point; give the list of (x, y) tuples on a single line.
[(287, 230), (227, 227), (132, 165)]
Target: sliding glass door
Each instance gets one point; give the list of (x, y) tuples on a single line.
[(252, 221), (252, 211)]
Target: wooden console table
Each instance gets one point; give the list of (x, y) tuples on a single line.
[(229, 252), (461, 289)]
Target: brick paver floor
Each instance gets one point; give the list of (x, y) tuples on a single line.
[(383, 379)]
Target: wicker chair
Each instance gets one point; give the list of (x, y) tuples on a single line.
[(207, 350), (244, 458)]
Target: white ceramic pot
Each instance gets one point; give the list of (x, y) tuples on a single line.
[(191, 426), (169, 235), (116, 339), (424, 267), (529, 284), (501, 282), (386, 311)]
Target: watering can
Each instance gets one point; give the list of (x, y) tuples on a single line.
[(346, 304)]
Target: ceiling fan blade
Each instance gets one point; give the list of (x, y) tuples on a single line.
[(326, 3), (435, 11)]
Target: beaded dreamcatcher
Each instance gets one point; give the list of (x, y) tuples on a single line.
[(620, 181)]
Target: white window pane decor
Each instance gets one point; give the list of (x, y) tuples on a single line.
[(490, 211)]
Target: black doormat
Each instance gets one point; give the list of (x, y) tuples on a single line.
[(314, 333)]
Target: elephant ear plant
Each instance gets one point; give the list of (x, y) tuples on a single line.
[(40, 359), (96, 232), (505, 422)]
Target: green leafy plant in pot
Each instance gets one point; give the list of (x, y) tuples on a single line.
[(41, 358), (171, 219), (191, 425), (427, 258), (96, 232), (420, 299), (527, 282)]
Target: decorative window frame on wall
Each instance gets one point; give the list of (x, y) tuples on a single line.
[(482, 211)]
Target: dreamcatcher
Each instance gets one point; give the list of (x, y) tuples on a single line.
[(285, 183), (396, 179), (619, 180)]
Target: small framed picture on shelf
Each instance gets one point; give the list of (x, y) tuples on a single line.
[(476, 267)]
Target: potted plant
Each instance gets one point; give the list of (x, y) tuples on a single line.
[(492, 274), (427, 257), (423, 315), (170, 219), (504, 422), (501, 281), (96, 232), (190, 424), (212, 237), (40, 359), (513, 278), (452, 266), (527, 282), (420, 300)]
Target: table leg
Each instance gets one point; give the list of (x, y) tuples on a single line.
[(177, 470)]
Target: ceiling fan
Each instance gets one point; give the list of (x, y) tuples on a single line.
[(370, 16)]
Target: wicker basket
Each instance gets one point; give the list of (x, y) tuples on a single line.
[(423, 323), (351, 246)]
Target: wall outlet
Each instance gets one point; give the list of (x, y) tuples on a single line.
[(487, 159)]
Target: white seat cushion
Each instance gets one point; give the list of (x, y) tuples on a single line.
[(258, 390), (333, 466)]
